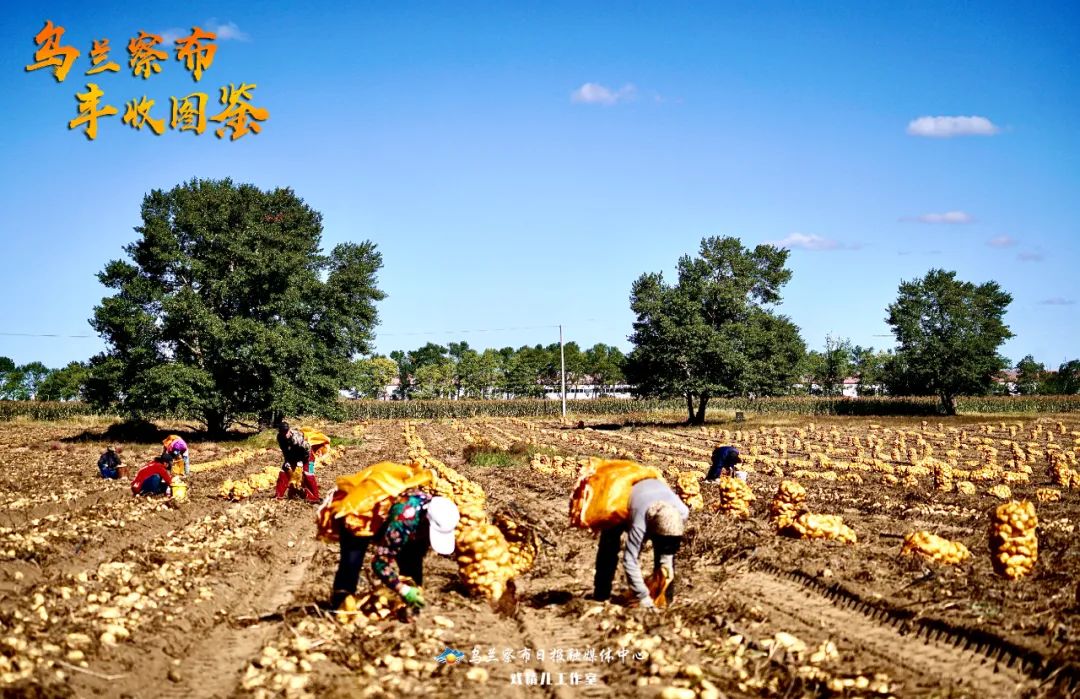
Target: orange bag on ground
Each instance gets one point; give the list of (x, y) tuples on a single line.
[(601, 498), (362, 500)]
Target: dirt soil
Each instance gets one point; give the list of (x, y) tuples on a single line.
[(104, 594)]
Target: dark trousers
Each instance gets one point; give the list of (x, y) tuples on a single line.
[(607, 561), (410, 562), (154, 485)]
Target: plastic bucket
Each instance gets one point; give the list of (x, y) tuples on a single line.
[(741, 475), (179, 490), (121, 471)]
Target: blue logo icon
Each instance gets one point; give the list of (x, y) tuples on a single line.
[(450, 656)]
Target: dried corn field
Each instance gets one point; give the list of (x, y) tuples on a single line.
[(865, 558)]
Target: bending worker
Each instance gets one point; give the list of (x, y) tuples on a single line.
[(655, 513), (109, 463), (724, 459), (415, 521), (296, 451), (176, 446), (154, 478)]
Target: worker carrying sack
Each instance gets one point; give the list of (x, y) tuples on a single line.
[(361, 501), (601, 498)]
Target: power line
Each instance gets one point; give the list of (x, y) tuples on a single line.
[(42, 335)]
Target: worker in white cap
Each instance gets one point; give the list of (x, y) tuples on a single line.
[(415, 522)]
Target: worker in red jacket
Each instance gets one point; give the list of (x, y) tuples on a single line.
[(154, 477)]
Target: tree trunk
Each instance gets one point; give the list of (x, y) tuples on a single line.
[(703, 401), (216, 423), (948, 403), (690, 408)]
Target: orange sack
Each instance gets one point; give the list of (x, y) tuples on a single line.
[(320, 443), (362, 500), (601, 498)]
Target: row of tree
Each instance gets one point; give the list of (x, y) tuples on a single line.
[(227, 306), (882, 372), (715, 332), (458, 371), (36, 381)]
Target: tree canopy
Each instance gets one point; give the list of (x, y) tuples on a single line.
[(948, 333), (228, 307), (713, 333)]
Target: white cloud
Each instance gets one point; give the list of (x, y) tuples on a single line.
[(1030, 257), (169, 36), (949, 126), (225, 31), (1057, 301), (595, 93), (947, 217), (1002, 241), (803, 241)]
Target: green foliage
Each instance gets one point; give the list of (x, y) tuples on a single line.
[(434, 380), (493, 457), (712, 333), (44, 409), (370, 376), (605, 365), (794, 405), (21, 382), (1066, 380), (948, 334), (64, 384), (228, 307), (519, 454), (629, 408), (871, 368), (828, 369), (1029, 376)]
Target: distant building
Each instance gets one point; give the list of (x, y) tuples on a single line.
[(588, 390)]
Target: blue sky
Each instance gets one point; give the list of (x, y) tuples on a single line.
[(519, 165)]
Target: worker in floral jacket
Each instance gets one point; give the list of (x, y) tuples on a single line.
[(415, 521), (296, 452)]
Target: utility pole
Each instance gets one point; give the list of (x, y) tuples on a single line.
[(562, 370)]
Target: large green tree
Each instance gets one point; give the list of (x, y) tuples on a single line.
[(948, 333), (713, 332), (227, 306)]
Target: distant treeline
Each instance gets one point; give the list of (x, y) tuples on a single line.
[(532, 407)]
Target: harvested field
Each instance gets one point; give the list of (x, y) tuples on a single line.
[(103, 594)]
